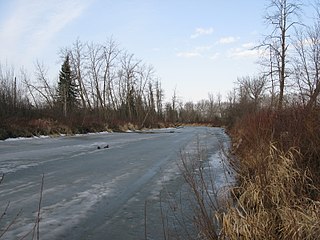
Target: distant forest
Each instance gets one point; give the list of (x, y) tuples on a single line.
[(99, 87)]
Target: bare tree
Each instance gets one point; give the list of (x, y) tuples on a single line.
[(8, 90), (252, 89), (110, 55), (43, 87), (212, 108), (25, 79), (307, 62), (95, 72), (159, 98), (77, 61), (281, 16), (174, 112), (129, 70), (14, 98)]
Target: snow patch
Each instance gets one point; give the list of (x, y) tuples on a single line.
[(25, 138)]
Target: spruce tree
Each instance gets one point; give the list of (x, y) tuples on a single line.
[(67, 90)]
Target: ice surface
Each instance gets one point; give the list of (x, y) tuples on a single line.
[(78, 176)]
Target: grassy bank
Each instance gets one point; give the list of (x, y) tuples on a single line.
[(277, 194), (275, 158)]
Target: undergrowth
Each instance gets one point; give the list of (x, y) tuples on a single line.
[(275, 157), (277, 165)]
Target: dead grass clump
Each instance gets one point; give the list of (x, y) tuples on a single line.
[(274, 203), (46, 127), (295, 127), (238, 224), (300, 128), (276, 183), (301, 222), (253, 131), (128, 127)]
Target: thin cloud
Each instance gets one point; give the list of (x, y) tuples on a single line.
[(199, 51), (202, 31), (37, 22), (188, 54), (215, 56), (228, 40), (243, 53), (246, 50), (249, 45), (203, 48)]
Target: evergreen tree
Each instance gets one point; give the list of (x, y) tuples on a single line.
[(67, 90)]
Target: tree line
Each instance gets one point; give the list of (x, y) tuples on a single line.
[(99, 85)]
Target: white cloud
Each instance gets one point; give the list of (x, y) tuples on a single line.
[(243, 52), (203, 48), (202, 31), (215, 56), (32, 25), (199, 51), (249, 45), (246, 50), (188, 54), (227, 40)]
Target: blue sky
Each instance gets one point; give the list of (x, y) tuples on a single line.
[(196, 46)]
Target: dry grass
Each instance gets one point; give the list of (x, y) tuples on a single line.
[(277, 196), (275, 203), (277, 168), (272, 204), (294, 127)]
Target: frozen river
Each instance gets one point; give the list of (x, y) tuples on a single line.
[(91, 193)]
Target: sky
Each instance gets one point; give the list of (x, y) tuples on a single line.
[(196, 47)]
